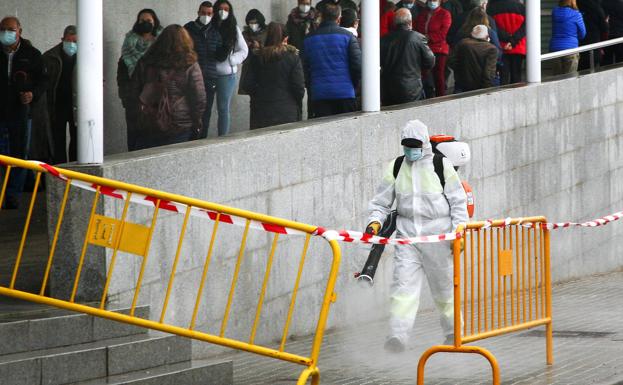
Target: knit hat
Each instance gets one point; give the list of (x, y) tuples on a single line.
[(480, 32)]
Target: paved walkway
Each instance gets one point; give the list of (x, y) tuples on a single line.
[(588, 348)]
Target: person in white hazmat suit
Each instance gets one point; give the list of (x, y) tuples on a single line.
[(424, 208)]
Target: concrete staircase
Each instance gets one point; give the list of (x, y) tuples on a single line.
[(44, 346)]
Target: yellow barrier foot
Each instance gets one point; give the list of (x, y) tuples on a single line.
[(460, 349), (312, 371)]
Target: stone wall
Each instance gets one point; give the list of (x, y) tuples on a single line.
[(552, 149)]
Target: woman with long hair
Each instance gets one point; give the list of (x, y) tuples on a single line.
[(169, 87), (230, 53), (275, 81), (142, 35), (567, 31), (478, 16)]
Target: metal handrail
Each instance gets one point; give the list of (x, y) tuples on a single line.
[(584, 48)]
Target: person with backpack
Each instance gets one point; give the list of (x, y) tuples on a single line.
[(426, 206), (169, 88)]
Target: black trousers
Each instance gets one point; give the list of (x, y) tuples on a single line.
[(613, 54), (62, 118), (333, 107), (511, 71)]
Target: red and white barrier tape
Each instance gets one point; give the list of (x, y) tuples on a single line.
[(341, 236), (170, 205), (358, 237)]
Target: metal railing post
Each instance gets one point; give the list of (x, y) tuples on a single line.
[(533, 40), (90, 69), (371, 57)]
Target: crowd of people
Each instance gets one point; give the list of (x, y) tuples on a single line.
[(168, 77)]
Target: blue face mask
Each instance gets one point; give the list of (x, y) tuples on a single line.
[(412, 154), (70, 48), (8, 37), (433, 5), (408, 5)]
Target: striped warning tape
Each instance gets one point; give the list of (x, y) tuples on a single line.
[(341, 235), (170, 205)]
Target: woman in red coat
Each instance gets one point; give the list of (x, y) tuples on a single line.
[(434, 23)]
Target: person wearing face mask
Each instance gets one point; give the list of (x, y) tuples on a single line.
[(60, 62), (301, 22), (254, 34), (411, 6), (231, 51), (425, 207), (144, 32), (23, 80), (206, 39), (434, 23)]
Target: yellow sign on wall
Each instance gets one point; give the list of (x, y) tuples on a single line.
[(105, 232)]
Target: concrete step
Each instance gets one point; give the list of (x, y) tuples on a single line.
[(47, 328), (184, 373), (93, 360)]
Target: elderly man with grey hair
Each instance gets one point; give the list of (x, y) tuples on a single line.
[(404, 53)]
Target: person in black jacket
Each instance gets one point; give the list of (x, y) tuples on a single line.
[(275, 81), (23, 80), (404, 53), (596, 30), (614, 11), (207, 40)]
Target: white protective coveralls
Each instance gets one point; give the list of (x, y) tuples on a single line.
[(424, 208)]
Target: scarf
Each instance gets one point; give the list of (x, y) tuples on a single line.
[(134, 47)]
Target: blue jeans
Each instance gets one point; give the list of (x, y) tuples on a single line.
[(19, 132), (224, 90)]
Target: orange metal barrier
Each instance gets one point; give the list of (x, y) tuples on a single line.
[(502, 284), (123, 236)]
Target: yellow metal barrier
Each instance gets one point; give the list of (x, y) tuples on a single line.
[(122, 235), (506, 286)]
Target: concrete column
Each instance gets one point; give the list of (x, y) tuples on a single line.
[(90, 69), (371, 56), (533, 40)]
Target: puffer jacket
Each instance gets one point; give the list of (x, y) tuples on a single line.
[(510, 18), (276, 87), (332, 63), (567, 29), (186, 95), (207, 39), (435, 24)]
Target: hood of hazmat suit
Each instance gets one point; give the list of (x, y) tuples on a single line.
[(424, 206)]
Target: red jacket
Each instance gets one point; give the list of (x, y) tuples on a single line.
[(387, 23), (436, 28), (510, 17)]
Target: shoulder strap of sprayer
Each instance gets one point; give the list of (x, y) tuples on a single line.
[(437, 163)]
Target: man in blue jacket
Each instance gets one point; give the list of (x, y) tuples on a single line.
[(332, 63)]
